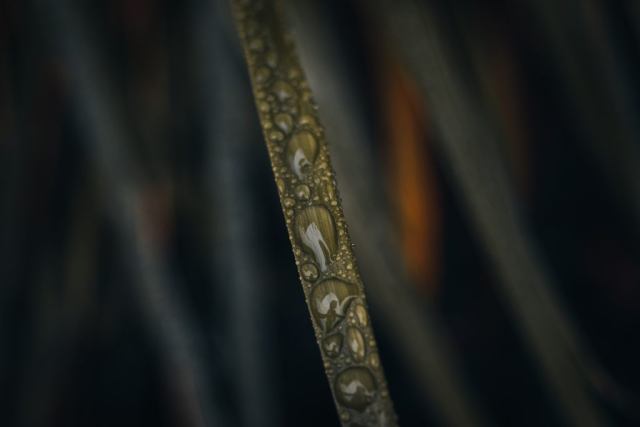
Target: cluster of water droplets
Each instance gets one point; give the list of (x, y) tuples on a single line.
[(315, 220)]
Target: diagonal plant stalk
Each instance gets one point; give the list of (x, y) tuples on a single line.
[(300, 158), (469, 145), (414, 329)]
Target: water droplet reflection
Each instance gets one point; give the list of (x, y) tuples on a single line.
[(303, 192), (317, 234), (330, 301), (332, 345), (355, 388), (355, 341), (283, 90), (301, 152), (361, 315), (284, 122), (310, 272)]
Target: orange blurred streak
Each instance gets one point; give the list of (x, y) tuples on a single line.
[(411, 176)]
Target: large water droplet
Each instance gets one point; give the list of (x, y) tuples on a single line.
[(332, 345), (355, 388), (355, 341), (301, 152), (330, 301), (317, 234), (271, 58), (283, 90)]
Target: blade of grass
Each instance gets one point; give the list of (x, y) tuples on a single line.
[(322, 247)]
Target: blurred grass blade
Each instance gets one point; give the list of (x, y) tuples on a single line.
[(228, 102), (107, 141), (469, 145)]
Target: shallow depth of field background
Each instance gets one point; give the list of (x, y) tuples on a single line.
[(179, 197)]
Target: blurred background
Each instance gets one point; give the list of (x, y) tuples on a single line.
[(488, 158)]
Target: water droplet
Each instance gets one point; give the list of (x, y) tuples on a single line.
[(356, 344), (289, 202), (317, 234), (302, 192), (310, 272), (344, 416), (306, 119), (355, 388), (256, 44), (361, 314), (283, 90), (301, 152), (332, 345), (374, 360), (330, 301), (294, 74), (251, 27), (282, 187), (275, 135), (329, 191), (263, 106), (284, 122), (262, 75), (271, 59)]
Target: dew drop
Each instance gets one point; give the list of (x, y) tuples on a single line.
[(356, 344), (301, 152), (271, 59), (262, 75), (330, 301), (284, 122), (294, 74), (275, 135), (355, 388), (282, 187), (374, 360), (329, 191), (302, 192), (289, 202), (317, 234), (283, 90), (310, 272), (361, 314), (332, 345), (306, 119), (256, 44)]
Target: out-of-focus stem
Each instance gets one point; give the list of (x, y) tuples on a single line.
[(469, 145), (107, 141)]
